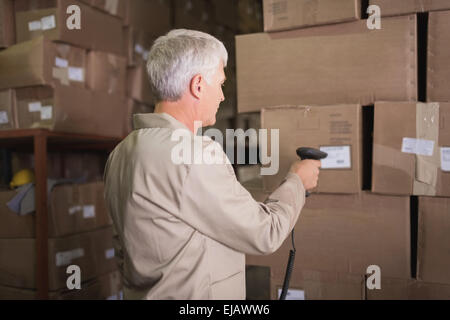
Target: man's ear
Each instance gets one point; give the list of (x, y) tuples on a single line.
[(196, 86)]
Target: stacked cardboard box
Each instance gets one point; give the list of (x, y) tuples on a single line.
[(145, 21), (326, 80)]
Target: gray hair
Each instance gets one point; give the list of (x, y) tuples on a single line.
[(177, 57)]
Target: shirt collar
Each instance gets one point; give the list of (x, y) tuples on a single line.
[(156, 120)]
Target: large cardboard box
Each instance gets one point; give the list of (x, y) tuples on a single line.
[(107, 72), (106, 287), (7, 116), (410, 148), (433, 249), (138, 84), (336, 130), (319, 285), (41, 62), (343, 63), (138, 44), (438, 65), (113, 7), (70, 109), (73, 208), (346, 234), (98, 31), (408, 289), (7, 29), (93, 252), (194, 14), (399, 7), (152, 16), (291, 14)]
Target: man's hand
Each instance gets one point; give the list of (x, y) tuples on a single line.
[(308, 171)]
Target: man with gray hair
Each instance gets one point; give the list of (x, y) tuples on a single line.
[(183, 229)]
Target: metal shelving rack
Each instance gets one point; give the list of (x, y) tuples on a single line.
[(40, 142)]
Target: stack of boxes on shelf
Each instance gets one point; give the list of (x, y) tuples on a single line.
[(87, 81), (325, 79)]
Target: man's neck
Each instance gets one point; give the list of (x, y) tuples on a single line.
[(180, 112)]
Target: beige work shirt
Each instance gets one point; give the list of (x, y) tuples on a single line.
[(183, 229)]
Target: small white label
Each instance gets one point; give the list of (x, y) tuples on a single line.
[(418, 146), (445, 159), (338, 157), (109, 254), (293, 294), (65, 258), (145, 55), (74, 209), (88, 212), (76, 74), (46, 113), (48, 22), (34, 25), (138, 48), (60, 62), (3, 117), (34, 106)]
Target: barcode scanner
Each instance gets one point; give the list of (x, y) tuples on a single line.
[(304, 154)]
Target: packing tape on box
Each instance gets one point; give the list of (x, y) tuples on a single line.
[(61, 74), (427, 166), (111, 6)]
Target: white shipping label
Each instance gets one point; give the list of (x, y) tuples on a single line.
[(76, 74), (65, 258), (34, 25), (46, 113), (48, 22), (109, 254), (34, 106), (293, 294), (74, 209), (88, 212), (138, 49), (418, 146), (445, 159), (3, 117), (60, 62), (338, 157)]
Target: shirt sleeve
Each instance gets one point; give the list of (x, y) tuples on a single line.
[(217, 205)]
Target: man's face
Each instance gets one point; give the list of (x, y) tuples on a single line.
[(213, 97)]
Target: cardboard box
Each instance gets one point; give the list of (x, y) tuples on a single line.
[(41, 62), (409, 289), (410, 152), (113, 7), (99, 31), (400, 7), (7, 29), (106, 287), (333, 64), (139, 85), (92, 251), (7, 116), (70, 109), (292, 14), (318, 285), (138, 44), (72, 209), (346, 234), (134, 107), (194, 14), (438, 65), (336, 130), (433, 249), (152, 16), (107, 72)]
